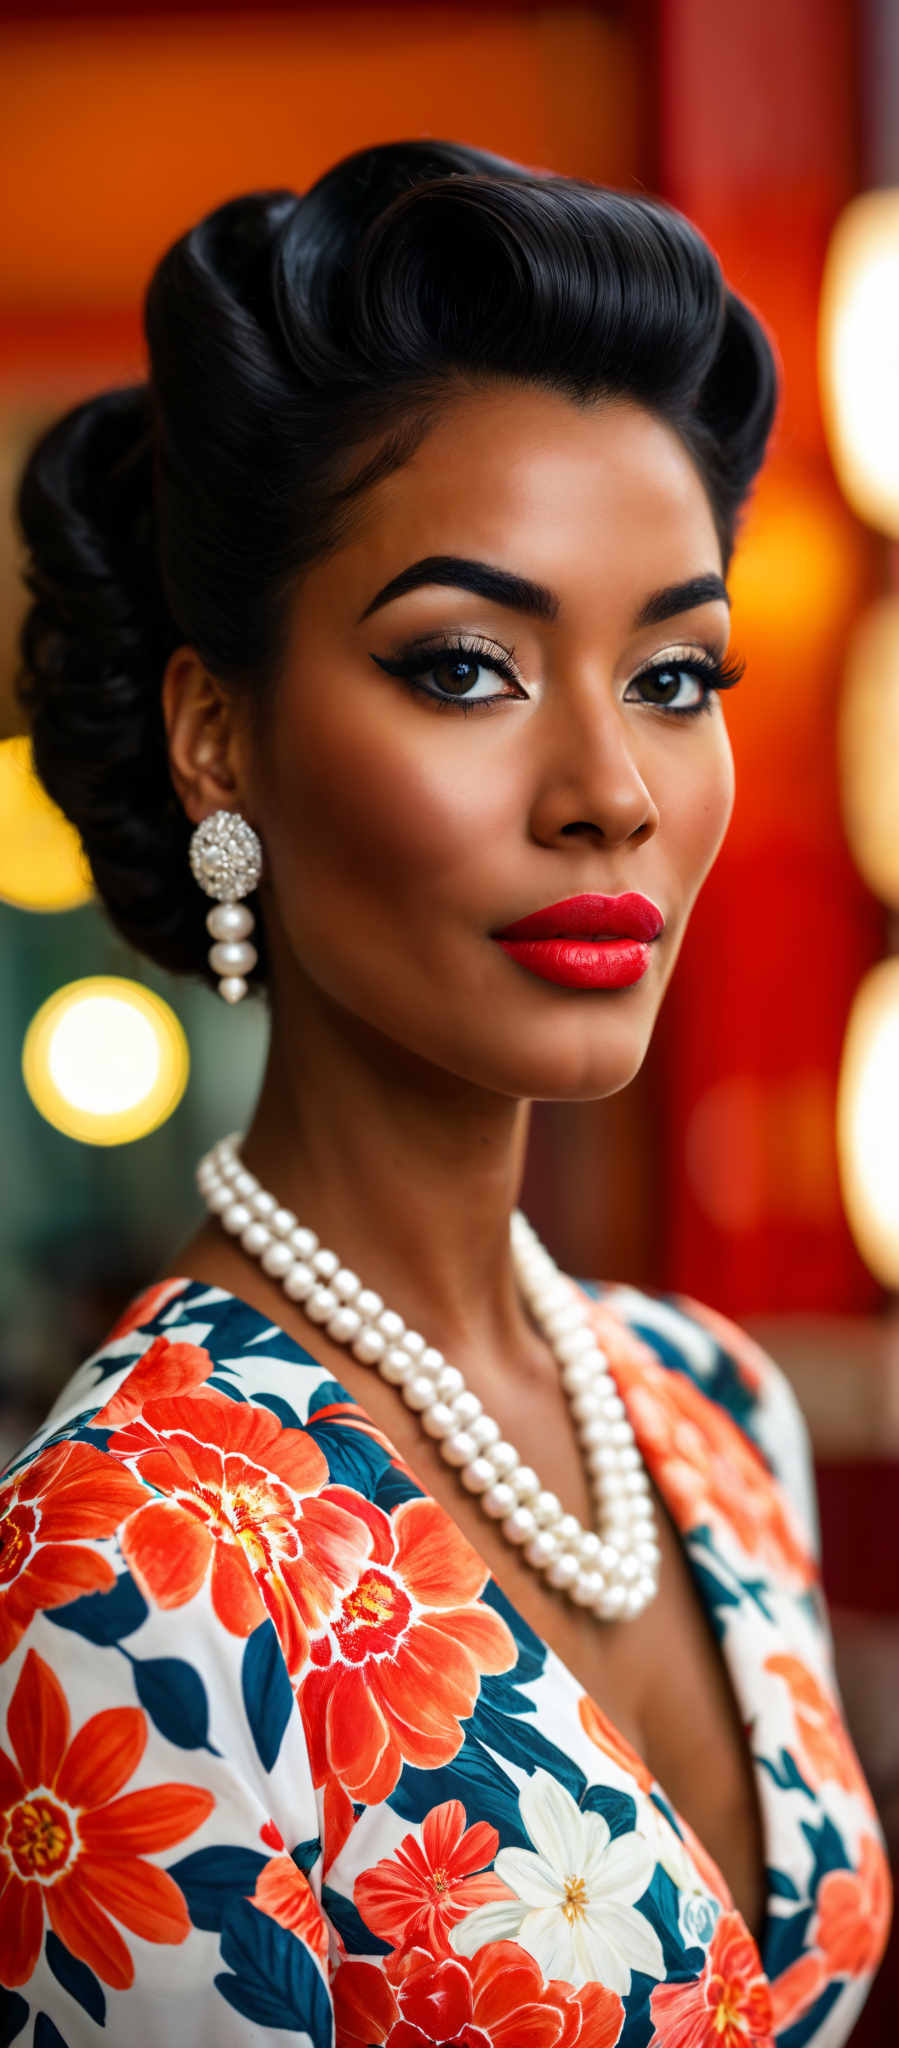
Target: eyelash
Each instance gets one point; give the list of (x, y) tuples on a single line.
[(715, 675)]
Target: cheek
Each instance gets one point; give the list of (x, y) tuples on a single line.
[(700, 813)]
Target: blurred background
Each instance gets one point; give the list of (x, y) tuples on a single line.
[(754, 1163)]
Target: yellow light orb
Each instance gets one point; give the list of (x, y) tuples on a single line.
[(105, 1060), (858, 352), (868, 1121), (42, 861), (868, 748)]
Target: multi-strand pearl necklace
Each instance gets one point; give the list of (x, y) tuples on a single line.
[(612, 1569)]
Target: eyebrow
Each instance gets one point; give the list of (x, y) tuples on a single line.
[(520, 594)]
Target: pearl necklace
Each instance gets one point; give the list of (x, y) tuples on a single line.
[(612, 1570)]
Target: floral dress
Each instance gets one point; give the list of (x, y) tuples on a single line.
[(280, 1761)]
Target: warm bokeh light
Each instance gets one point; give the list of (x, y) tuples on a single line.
[(869, 748), (42, 861), (858, 355), (105, 1060), (868, 1121)]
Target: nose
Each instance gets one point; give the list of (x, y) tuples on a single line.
[(587, 778)]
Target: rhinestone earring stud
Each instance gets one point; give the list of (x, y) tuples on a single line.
[(226, 860)]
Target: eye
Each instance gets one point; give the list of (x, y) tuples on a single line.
[(454, 672), (685, 682)]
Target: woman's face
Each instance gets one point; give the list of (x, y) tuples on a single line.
[(407, 819)]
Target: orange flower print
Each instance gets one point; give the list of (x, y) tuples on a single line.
[(240, 1501), (606, 1737), (71, 1846), (144, 1307), (752, 1363), (165, 1368), (853, 1915), (398, 1668), (729, 2006), (708, 1469), (49, 1513), (285, 1894), (496, 2000), (414, 1896), (825, 1751)]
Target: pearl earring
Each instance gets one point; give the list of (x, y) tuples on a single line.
[(226, 860)]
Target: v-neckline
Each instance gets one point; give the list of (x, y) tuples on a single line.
[(212, 1291)]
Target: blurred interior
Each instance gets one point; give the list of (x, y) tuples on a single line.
[(717, 1174)]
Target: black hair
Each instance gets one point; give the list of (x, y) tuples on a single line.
[(285, 333)]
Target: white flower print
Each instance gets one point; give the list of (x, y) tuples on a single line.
[(573, 1908)]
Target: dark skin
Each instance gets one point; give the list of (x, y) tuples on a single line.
[(405, 1046)]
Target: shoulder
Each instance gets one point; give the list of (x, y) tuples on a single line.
[(725, 1365)]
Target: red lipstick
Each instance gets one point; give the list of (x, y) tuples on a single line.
[(586, 941)]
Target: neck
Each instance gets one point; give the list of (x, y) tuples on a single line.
[(407, 1172)]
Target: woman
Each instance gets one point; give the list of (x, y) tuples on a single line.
[(396, 603)]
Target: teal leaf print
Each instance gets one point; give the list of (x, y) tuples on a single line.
[(225, 1387), (523, 1744), (267, 1693), (13, 2014), (76, 1978), (618, 1809), (806, 2028), (358, 1940), (46, 2035), (476, 1780), (211, 1880), (276, 1405), (785, 1773), (779, 1886), (306, 1854), (275, 1982), (393, 1488), (174, 1696), (103, 1617)]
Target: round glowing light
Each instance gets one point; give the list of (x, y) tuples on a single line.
[(868, 1121), (42, 861), (105, 1060), (859, 355), (868, 748)]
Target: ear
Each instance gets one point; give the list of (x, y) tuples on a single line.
[(208, 738)]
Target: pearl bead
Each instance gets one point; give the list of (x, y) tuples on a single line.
[(346, 1283), (236, 1218), (244, 1185), (505, 1457), (255, 1238), (589, 1547), (233, 988), (232, 957), (304, 1243), (369, 1303), (520, 1525), (220, 1199), (433, 1360), (612, 1600), (344, 1324), (448, 1381), (541, 1549), (418, 1391), (578, 1376), (499, 1500), (564, 1570), (369, 1347), (460, 1448), (438, 1420), (568, 1529), (320, 1304), (485, 1431), (391, 1325), (414, 1343), (586, 1406), (299, 1280), (525, 1482), (577, 1345), (229, 921), (325, 1264), (263, 1205), (587, 1588), (477, 1476), (466, 1408), (396, 1366), (283, 1222), (547, 1507)]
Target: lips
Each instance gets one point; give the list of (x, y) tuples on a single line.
[(629, 916)]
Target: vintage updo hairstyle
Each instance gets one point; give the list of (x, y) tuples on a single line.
[(284, 332)]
